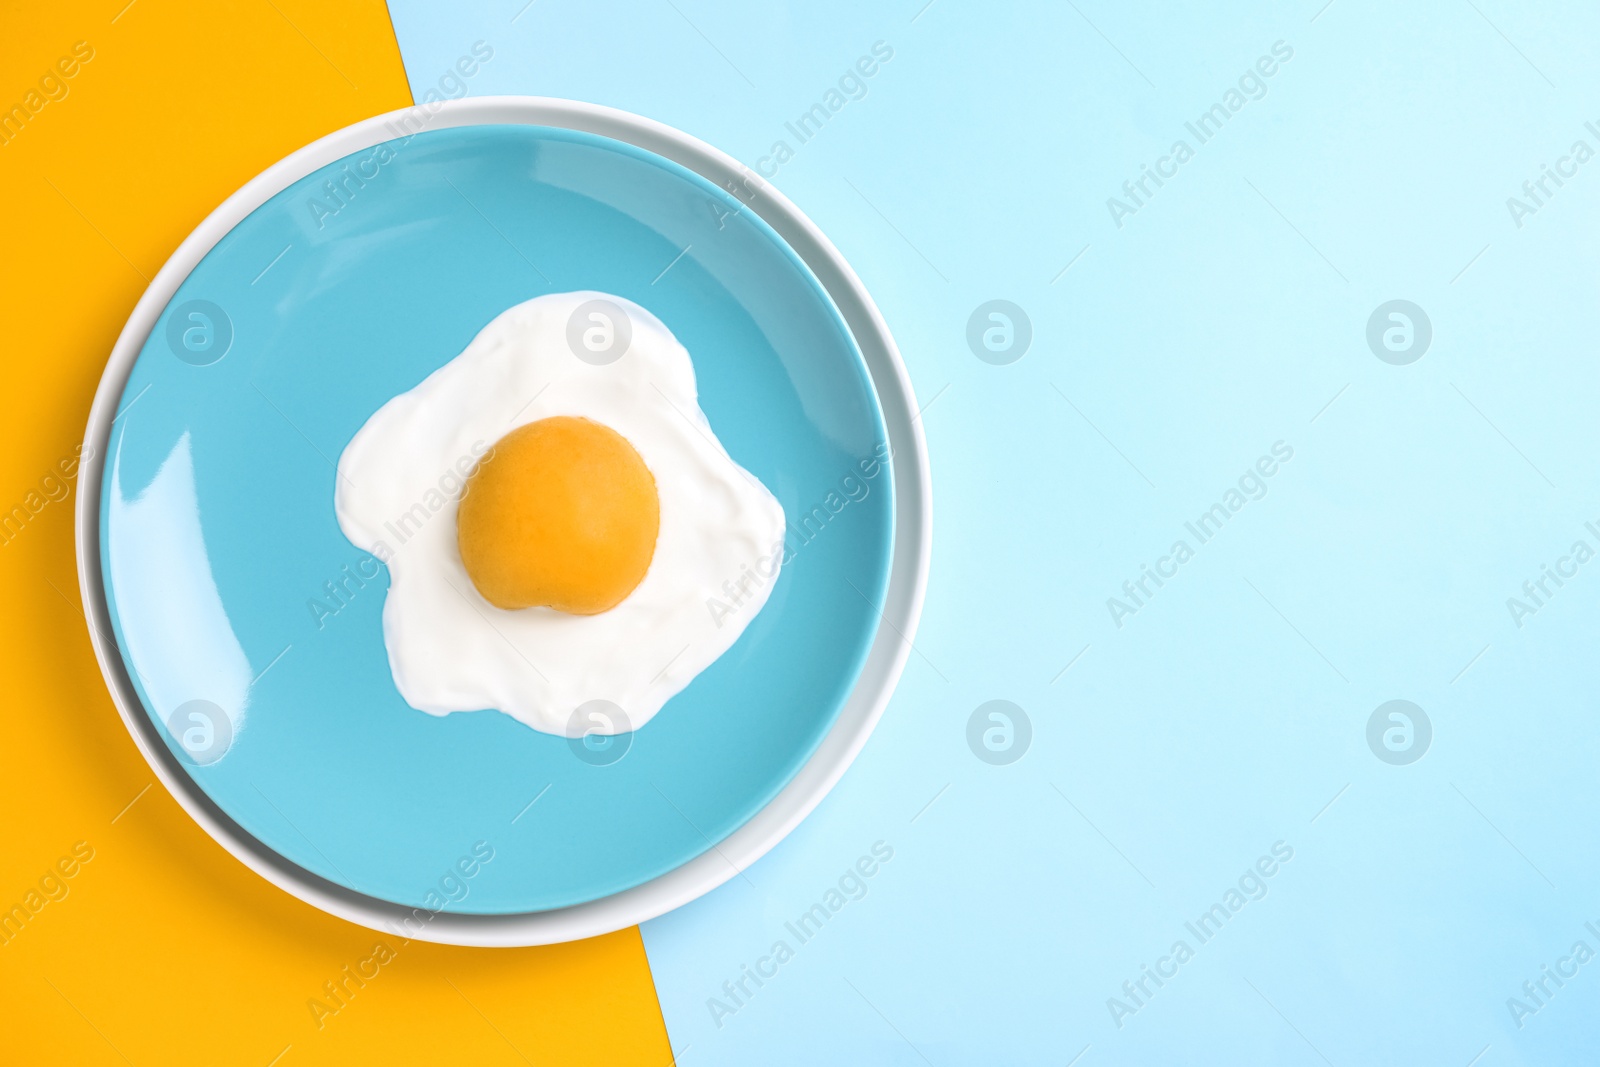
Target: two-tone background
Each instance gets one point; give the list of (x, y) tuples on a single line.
[(1252, 718)]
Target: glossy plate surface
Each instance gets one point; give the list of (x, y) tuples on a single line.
[(217, 536)]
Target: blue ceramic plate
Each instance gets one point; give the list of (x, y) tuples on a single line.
[(231, 587)]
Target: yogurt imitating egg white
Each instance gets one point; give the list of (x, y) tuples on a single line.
[(399, 483)]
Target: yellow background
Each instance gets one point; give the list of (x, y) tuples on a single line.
[(166, 950)]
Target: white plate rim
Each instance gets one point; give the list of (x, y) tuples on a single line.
[(885, 660)]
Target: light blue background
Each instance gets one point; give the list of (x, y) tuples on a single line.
[(1223, 317)]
